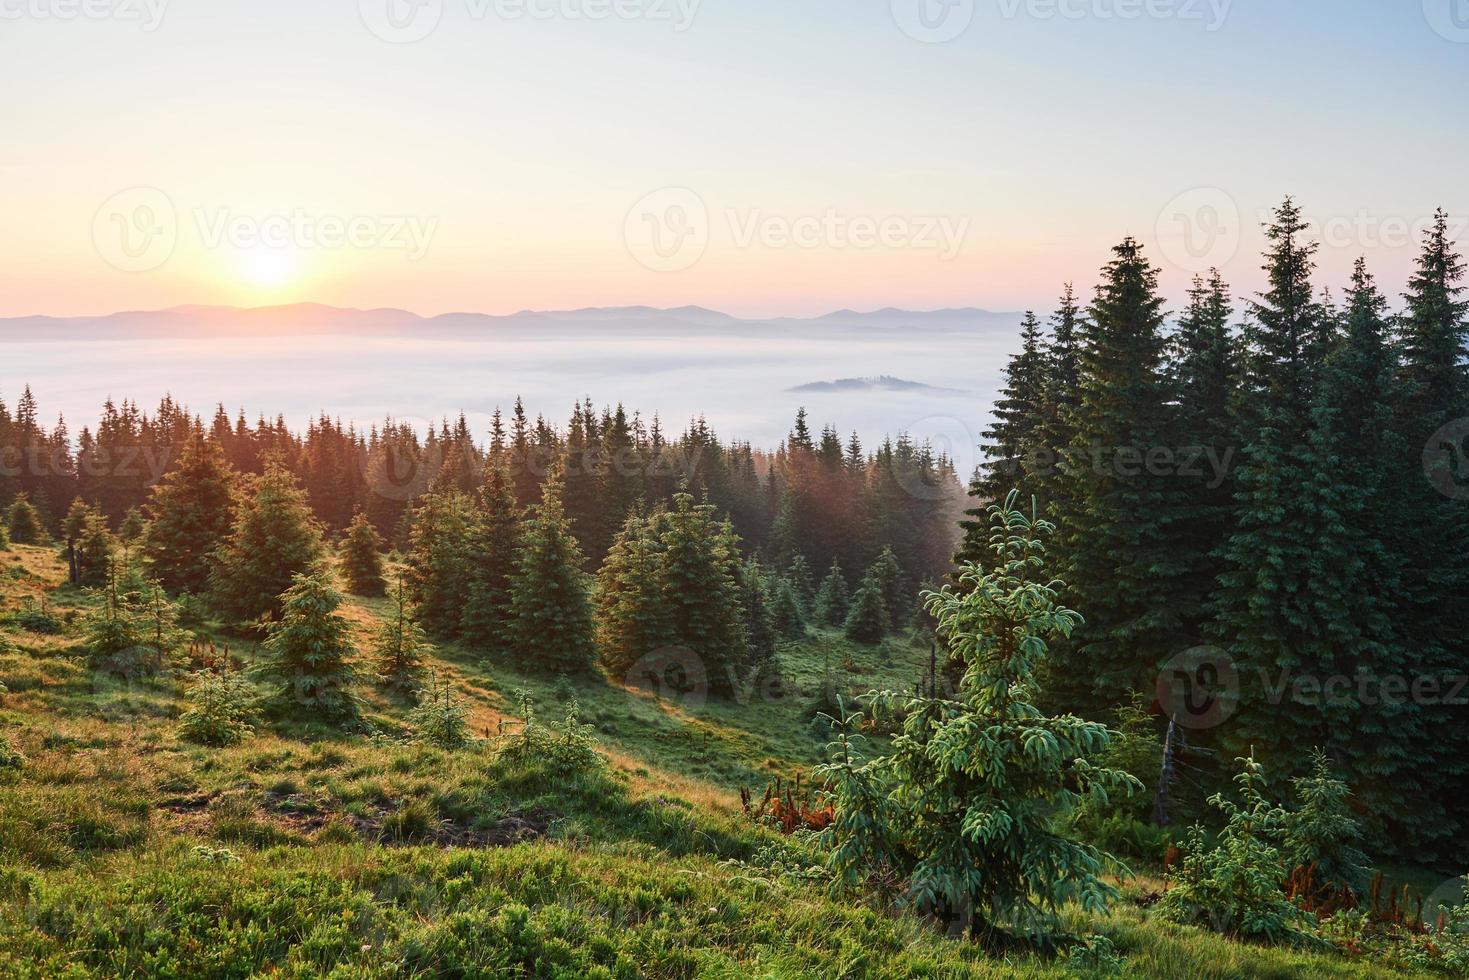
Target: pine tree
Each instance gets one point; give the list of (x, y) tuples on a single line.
[(968, 812), (632, 617), (1204, 367), (94, 552), (310, 650), (697, 579), (1013, 441), (798, 573), (400, 647), (831, 599), (760, 636), (1289, 569), (274, 539), (894, 584), (191, 513), (786, 614), (437, 561), (1115, 543), (362, 559), (1060, 399), (24, 523), (868, 621), (552, 611), (1432, 535), (132, 530), (494, 538)]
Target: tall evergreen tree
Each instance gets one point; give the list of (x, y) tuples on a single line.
[(868, 620), (697, 579), (437, 565), (831, 598), (552, 611), (191, 510), (1116, 542), (274, 539), (632, 617), (760, 636), (1284, 602), (494, 538), (362, 559)]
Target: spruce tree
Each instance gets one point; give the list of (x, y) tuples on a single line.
[(132, 529), (632, 616), (1013, 440), (23, 522), (400, 647), (94, 552), (310, 651), (437, 561), (894, 584), (191, 512), (1116, 545), (1204, 365), (831, 599), (362, 560), (1433, 536), (489, 558), (1290, 572), (798, 573), (700, 590), (552, 612), (868, 620), (760, 636), (274, 539), (786, 613), (968, 811), (1060, 399)]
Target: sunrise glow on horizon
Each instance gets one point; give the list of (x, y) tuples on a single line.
[(229, 161)]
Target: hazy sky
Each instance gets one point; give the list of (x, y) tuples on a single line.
[(760, 156)]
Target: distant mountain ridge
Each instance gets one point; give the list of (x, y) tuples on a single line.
[(883, 382), (303, 319)]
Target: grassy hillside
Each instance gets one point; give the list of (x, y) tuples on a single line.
[(304, 851)]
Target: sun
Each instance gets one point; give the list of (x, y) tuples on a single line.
[(263, 267)]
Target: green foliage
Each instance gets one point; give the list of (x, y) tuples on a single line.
[(552, 611), (494, 539), (440, 718), (220, 709), (571, 750), (191, 512), (134, 633), (1235, 887), (832, 601), (1322, 833), (310, 651), (1122, 824), (967, 812), (94, 551), (400, 648), (437, 567), (760, 635), (785, 610), (362, 559), (274, 539), (23, 523), (868, 620)]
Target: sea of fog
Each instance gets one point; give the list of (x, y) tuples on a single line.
[(739, 382)]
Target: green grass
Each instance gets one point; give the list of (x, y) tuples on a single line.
[(305, 851)]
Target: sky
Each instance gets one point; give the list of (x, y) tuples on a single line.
[(762, 157)]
